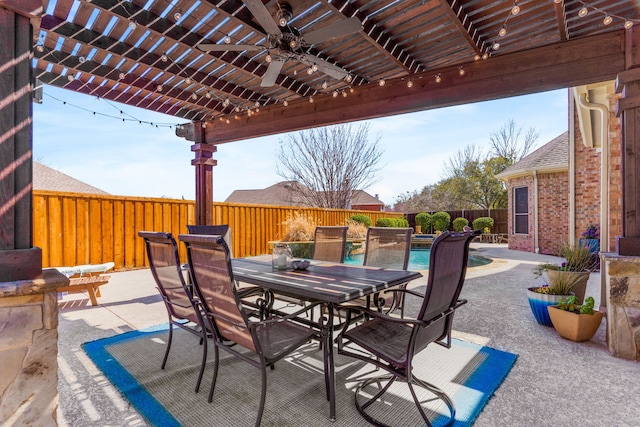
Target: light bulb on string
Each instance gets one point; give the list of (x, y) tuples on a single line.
[(311, 100), (227, 40), (382, 82), (409, 83), (268, 58), (82, 59), (285, 103), (495, 46), (164, 57), (335, 94), (324, 85), (187, 81), (461, 71), (122, 75), (177, 15), (159, 88), (607, 20), (503, 31), (583, 11), (438, 78), (515, 9), (628, 24), (485, 55), (133, 25), (309, 71)]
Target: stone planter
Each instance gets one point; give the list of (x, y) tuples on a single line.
[(539, 303), (580, 278), (573, 326)]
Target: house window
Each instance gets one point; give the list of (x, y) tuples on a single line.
[(521, 210)]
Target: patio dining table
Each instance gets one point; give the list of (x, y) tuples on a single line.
[(328, 283)]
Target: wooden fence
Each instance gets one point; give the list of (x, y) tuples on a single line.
[(76, 228)]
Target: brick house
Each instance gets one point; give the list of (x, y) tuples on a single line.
[(283, 194), (572, 181)]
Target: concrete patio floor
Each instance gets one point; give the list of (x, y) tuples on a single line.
[(554, 382)]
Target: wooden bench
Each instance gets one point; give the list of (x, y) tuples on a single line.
[(91, 284), (87, 278)]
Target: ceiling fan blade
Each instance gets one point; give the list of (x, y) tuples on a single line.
[(332, 31), (328, 68), (212, 47), (262, 15), (269, 78)]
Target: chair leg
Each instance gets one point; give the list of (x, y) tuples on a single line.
[(216, 359), (203, 341), (263, 393), (166, 352)]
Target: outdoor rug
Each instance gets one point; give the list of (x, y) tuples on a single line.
[(469, 373)]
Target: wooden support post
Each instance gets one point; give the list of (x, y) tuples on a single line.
[(18, 259), (204, 164), (628, 109)]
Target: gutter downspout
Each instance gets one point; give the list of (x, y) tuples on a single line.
[(572, 167), (536, 237), (604, 169)]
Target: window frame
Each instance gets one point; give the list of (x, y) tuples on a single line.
[(518, 215)]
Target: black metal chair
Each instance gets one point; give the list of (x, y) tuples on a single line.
[(391, 343), (182, 309), (388, 247), (269, 340), (330, 243), (220, 230)]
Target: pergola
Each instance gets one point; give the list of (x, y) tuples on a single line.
[(242, 69)]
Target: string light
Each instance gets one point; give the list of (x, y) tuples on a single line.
[(285, 103), (39, 48), (438, 78), (82, 59), (324, 85), (159, 88), (461, 71), (122, 75), (133, 25), (335, 94), (409, 83), (177, 15), (515, 9), (311, 100), (227, 39), (164, 57), (608, 18), (503, 31), (382, 82)]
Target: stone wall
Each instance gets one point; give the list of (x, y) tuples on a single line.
[(622, 281), (29, 350)]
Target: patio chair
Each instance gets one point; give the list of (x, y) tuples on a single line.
[(222, 230), (388, 247), (390, 343), (330, 244), (182, 309), (269, 340)]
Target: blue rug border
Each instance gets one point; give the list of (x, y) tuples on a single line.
[(498, 364), (144, 402)]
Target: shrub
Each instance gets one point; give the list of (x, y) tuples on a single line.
[(400, 222), (460, 223), (423, 219), (362, 219), (440, 221), (298, 228), (385, 222), (483, 223), (356, 230)]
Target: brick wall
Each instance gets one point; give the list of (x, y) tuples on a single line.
[(615, 176), (553, 211), (587, 183)]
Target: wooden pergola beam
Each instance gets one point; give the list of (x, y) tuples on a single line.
[(572, 63)]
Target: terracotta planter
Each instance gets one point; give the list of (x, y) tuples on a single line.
[(575, 327), (539, 303), (581, 280)]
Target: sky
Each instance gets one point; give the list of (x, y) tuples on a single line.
[(128, 151)]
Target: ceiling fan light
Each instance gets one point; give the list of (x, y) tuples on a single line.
[(293, 44), (284, 14), (324, 85), (583, 11), (607, 20), (309, 71)]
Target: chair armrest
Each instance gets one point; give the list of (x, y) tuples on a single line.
[(406, 291), (290, 316)]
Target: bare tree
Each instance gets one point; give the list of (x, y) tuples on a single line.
[(506, 142), (330, 163)]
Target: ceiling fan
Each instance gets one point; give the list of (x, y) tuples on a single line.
[(287, 43)]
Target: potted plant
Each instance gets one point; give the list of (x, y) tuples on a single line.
[(574, 321), (591, 238), (563, 280)]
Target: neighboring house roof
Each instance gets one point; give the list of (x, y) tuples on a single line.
[(551, 157), (281, 194), (45, 178)]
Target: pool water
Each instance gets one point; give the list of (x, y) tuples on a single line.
[(419, 259)]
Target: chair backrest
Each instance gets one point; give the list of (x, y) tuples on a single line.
[(210, 268), (164, 262), (330, 243), (447, 270), (220, 230), (388, 247)]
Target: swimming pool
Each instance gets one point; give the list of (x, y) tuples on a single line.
[(419, 259)]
